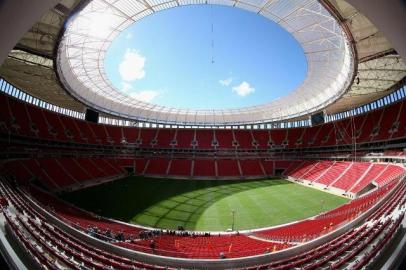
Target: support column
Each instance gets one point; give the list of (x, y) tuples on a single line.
[(16, 18)]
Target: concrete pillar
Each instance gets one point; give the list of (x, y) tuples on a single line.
[(389, 16), (16, 18)]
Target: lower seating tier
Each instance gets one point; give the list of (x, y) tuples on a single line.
[(349, 177), (346, 176), (59, 173), (32, 230)]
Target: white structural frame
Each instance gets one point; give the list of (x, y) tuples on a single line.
[(89, 33)]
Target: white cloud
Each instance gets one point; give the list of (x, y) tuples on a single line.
[(145, 95), (127, 87), (141, 95), (132, 66), (226, 82), (243, 89)]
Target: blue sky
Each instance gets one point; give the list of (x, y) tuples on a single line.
[(166, 59)]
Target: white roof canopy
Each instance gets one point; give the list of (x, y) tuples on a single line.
[(83, 47)]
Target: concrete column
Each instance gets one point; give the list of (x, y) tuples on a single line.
[(389, 16), (16, 18)]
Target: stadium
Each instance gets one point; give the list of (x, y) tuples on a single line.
[(105, 166)]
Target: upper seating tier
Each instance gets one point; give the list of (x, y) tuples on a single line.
[(23, 119)]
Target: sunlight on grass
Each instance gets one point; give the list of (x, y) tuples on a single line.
[(204, 204)]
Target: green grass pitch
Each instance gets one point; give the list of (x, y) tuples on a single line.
[(204, 204)]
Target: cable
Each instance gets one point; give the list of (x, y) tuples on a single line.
[(212, 33)]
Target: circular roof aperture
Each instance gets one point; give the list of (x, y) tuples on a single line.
[(81, 62)]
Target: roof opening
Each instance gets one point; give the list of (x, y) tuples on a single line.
[(205, 57)]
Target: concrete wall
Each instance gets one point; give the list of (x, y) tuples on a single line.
[(389, 16), (16, 18)]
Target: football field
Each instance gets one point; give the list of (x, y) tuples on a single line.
[(204, 204)]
